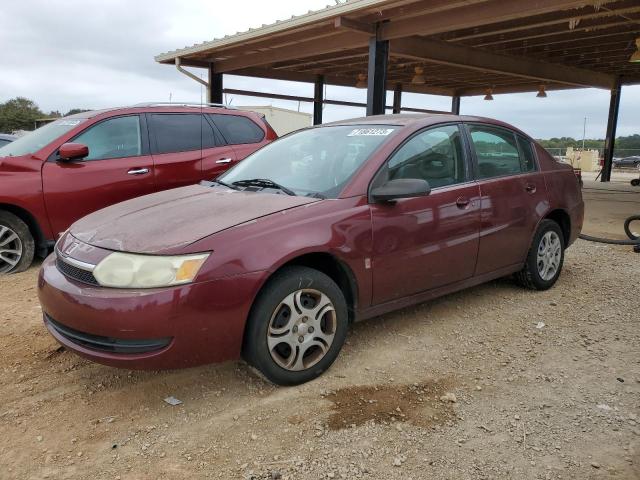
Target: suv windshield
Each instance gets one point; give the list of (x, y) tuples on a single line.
[(316, 162), (34, 141)]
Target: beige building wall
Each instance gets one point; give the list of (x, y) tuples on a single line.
[(587, 160)]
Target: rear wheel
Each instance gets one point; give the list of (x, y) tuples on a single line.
[(545, 258), (16, 244), (297, 326)]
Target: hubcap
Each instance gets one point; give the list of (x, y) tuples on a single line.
[(549, 255), (301, 329), (10, 249)]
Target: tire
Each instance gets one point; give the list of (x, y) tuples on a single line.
[(290, 349), (635, 182), (533, 275), (17, 247)]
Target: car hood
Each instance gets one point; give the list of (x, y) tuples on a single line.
[(172, 219)]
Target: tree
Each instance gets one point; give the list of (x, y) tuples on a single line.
[(73, 111), (19, 114)]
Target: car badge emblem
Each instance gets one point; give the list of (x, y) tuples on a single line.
[(70, 249)]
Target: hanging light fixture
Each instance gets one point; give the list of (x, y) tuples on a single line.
[(635, 58), (418, 78), (362, 81), (542, 92), (489, 94)]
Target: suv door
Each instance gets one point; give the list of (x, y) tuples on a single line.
[(217, 156), (176, 146), (240, 132), (426, 242), (513, 196), (117, 168)]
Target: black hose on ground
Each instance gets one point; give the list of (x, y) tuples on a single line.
[(634, 239)]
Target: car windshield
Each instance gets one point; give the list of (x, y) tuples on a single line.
[(43, 136), (316, 162)]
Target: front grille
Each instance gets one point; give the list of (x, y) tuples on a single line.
[(107, 344), (75, 273)]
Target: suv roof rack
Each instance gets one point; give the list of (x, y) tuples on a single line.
[(183, 104)]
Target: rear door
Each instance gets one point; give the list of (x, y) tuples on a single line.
[(513, 196), (176, 146), (217, 155), (118, 168)]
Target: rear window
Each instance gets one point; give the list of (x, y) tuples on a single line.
[(237, 129), (177, 132)]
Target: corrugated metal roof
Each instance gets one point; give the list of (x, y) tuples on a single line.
[(312, 16)]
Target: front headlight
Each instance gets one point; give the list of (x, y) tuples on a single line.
[(127, 270)]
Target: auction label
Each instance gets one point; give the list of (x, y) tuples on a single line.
[(370, 132)]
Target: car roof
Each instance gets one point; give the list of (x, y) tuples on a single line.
[(160, 106), (419, 120)]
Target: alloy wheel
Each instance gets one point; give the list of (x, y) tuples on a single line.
[(301, 329), (549, 255), (10, 249)]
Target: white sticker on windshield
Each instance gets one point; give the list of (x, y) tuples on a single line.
[(370, 132), (68, 123)]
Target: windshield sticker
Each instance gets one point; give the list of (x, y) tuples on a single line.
[(370, 132), (69, 123)]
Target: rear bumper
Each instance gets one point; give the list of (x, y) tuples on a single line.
[(164, 328)]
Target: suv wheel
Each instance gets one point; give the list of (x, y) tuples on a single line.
[(296, 327), (545, 258), (16, 244)]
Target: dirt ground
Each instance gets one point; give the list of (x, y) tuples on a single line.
[(491, 383)]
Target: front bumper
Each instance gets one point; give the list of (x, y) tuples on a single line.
[(161, 328)]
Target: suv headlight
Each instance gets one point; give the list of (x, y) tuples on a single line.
[(127, 270)]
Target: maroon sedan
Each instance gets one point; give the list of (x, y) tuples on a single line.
[(332, 224)]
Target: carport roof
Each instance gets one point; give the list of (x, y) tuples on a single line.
[(464, 46)]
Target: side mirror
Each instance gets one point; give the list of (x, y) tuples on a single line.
[(401, 188), (73, 151)]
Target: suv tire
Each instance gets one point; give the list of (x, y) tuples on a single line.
[(17, 247)]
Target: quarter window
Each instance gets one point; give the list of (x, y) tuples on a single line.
[(237, 129), (114, 138), (526, 150), (177, 132), (435, 155), (496, 150)]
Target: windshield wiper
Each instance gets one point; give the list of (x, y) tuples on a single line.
[(265, 183), (219, 182)]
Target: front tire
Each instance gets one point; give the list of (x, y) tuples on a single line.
[(17, 247), (545, 258), (296, 327)]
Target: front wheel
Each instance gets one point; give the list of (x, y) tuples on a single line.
[(17, 247), (545, 258), (296, 327)]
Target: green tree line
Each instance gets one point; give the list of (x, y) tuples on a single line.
[(21, 114)]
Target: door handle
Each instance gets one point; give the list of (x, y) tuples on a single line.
[(224, 160), (531, 188), (138, 171), (462, 202)]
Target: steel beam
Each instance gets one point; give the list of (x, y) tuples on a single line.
[(397, 99), (455, 105), (214, 90), (318, 99), (377, 76), (612, 125)]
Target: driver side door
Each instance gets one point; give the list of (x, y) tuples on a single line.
[(426, 242), (117, 168)]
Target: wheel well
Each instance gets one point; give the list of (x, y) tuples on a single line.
[(562, 218), (334, 269), (32, 223)]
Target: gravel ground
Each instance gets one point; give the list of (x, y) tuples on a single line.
[(491, 383)]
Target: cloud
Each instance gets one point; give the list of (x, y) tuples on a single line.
[(77, 53)]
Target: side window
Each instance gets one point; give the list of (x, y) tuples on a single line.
[(496, 151), (526, 152), (114, 138), (237, 129), (177, 132), (435, 155), (210, 138)]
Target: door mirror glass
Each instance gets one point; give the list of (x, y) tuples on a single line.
[(401, 188), (73, 151)]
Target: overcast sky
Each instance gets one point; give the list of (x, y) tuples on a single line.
[(93, 54)]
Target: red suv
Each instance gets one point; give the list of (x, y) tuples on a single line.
[(328, 225), (82, 163)]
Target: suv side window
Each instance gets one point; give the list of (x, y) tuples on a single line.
[(496, 150), (526, 154), (435, 155), (237, 129), (113, 138), (177, 132)]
